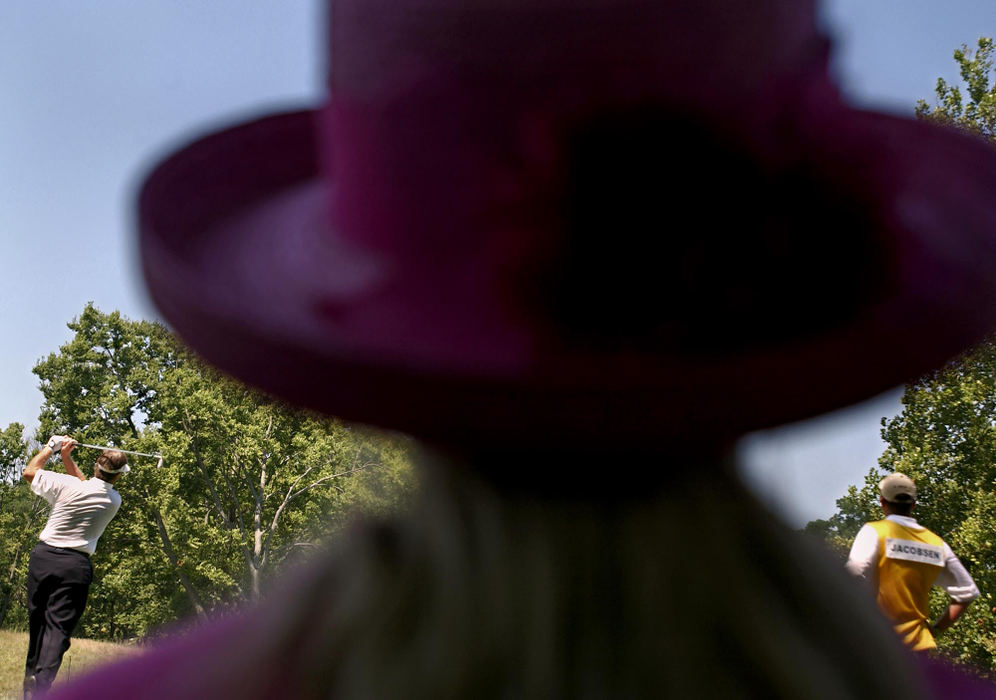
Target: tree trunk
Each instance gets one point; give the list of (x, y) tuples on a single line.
[(257, 531), (167, 548)]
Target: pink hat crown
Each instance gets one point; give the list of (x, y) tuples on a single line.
[(488, 139)]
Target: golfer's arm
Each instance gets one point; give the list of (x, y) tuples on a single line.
[(36, 463), (71, 467)]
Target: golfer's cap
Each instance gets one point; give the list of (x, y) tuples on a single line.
[(897, 488)]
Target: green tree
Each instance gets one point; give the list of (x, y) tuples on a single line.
[(13, 453), (246, 485), (20, 514), (977, 113)]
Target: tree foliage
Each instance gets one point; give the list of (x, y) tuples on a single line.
[(13, 453), (974, 109), (20, 512), (246, 485)]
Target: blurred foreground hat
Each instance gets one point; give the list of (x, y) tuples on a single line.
[(575, 221), (897, 488)]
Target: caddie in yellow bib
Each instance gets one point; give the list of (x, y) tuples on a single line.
[(902, 560)]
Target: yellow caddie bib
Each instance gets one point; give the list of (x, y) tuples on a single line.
[(909, 562)]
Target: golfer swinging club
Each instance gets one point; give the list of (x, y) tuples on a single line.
[(59, 571)]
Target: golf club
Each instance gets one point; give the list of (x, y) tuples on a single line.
[(130, 452)]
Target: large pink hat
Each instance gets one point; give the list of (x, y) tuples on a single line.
[(575, 221)]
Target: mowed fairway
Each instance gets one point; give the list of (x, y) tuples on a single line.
[(82, 656)]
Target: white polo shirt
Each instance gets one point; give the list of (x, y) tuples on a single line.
[(80, 509)]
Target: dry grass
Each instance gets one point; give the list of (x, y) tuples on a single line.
[(83, 655)]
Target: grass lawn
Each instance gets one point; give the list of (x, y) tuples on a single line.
[(82, 656)]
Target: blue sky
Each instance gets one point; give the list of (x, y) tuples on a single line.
[(888, 53), (91, 93)]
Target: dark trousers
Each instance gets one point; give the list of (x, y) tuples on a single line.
[(58, 584)]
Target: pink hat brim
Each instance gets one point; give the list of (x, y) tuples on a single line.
[(241, 262)]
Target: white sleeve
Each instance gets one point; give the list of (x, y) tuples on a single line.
[(47, 485), (864, 552), (955, 579)]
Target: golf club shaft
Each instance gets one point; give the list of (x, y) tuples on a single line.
[(111, 447)]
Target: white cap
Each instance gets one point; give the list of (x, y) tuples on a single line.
[(897, 488), (123, 470)]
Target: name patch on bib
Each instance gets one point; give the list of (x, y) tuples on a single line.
[(910, 550)]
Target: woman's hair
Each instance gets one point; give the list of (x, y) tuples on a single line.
[(693, 591)]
